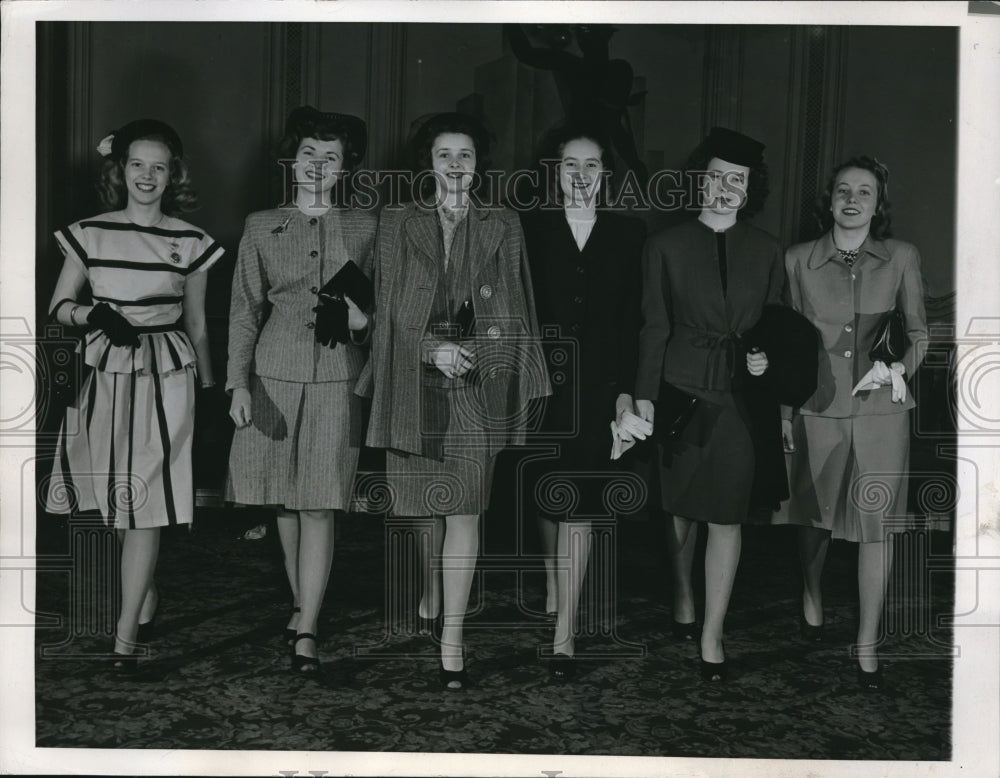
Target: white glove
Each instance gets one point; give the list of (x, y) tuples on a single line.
[(618, 444), (631, 427), (880, 375)]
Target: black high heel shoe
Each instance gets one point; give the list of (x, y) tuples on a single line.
[(714, 672), (125, 665), (871, 681), (300, 662), (426, 625), (289, 633), (811, 633), (146, 631), (448, 677), (562, 667), (684, 630)]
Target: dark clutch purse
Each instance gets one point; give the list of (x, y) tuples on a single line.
[(890, 339), (674, 410), (349, 281)]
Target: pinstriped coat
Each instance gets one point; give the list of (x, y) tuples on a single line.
[(509, 360), (283, 254)]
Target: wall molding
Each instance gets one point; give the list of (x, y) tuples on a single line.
[(386, 94), (722, 85)]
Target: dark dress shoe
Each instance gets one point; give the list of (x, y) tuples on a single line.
[(811, 633), (684, 630), (453, 680), (146, 632), (562, 667), (300, 662), (871, 681), (714, 672)]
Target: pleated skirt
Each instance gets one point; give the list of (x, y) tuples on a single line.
[(462, 481), (125, 450), (849, 476), (301, 450)]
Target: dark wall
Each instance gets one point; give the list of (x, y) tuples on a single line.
[(812, 94)]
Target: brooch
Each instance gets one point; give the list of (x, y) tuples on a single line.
[(281, 227)]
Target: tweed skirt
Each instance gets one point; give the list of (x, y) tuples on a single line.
[(461, 482), (849, 476), (301, 450), (706, 472), (125, 449)]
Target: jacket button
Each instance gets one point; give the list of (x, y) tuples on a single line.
[(578, 299), (848, 328), (853, 276), (313, 253), (314, 220), (575, 327), (579, 269), (493, 332), (311, 325), (486, 291), (847, 354)]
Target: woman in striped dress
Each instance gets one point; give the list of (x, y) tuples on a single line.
[(125, 446), (298, 423)]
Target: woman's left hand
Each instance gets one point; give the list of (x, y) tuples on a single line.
[(756, 363), (356, 318)]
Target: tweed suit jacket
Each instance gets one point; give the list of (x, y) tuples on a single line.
[(283, 255), (511, 369), (846, 304)]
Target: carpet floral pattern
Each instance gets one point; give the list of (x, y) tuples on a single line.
[(218, 675)]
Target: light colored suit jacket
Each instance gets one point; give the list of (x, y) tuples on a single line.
[(283, 255), (846, 304), (511, 368)]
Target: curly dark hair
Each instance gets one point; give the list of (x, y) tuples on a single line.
[(307, 122), (758, 186), (440, 124), (179, 197), (881, 224), (550, 153)]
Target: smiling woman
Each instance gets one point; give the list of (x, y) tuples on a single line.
[(131, 458), (294, 358), (851, 439)]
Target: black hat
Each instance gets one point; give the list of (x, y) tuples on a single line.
[(734, 147), (306, 120), (122, 138)]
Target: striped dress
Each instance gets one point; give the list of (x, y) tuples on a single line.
[(125, 445)]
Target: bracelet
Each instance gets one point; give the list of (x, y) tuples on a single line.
[(72, 315), (55, 310), (206, 385)]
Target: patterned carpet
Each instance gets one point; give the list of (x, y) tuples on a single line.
[(218, 678)]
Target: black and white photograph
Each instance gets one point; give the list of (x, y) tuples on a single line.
[(500, 388)]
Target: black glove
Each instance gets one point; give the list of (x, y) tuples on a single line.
[(331, 322), (103, 317)]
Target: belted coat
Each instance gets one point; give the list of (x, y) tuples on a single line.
[(510, 365)]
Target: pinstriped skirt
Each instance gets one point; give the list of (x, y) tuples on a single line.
[(125, 450), (458, 484), (301, 450)]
